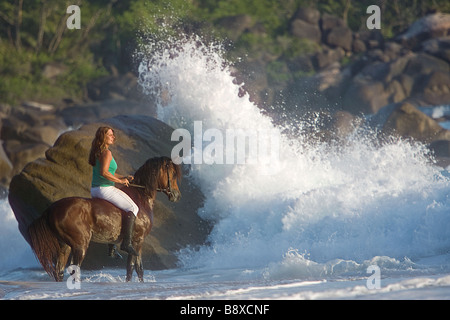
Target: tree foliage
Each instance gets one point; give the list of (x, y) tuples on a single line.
[(34, 33)]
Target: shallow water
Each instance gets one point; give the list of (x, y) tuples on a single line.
[(306, 222)]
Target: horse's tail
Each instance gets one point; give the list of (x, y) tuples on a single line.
[(45, 244)]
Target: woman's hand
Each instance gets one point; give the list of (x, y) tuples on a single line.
[(125, 182)]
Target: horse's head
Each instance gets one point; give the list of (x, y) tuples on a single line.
[(160, 174), (168, 177)]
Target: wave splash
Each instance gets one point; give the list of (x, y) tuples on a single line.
[(328, 205)]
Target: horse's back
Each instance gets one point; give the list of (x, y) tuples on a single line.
[(91, 218), (107, 221)]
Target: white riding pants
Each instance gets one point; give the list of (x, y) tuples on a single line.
[(117, 197)]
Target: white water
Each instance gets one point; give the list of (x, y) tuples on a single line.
[(327, 202), (309, 230)]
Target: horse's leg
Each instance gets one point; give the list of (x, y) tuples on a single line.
[(130, 266), (139, 267), (61, 261), (78, 254), (138, 261)]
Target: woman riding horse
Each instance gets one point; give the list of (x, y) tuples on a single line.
[(103, 178), (68, 225)]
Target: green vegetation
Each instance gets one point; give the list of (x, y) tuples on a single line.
[(34, 34)]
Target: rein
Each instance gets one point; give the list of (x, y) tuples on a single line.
[(136, 185)]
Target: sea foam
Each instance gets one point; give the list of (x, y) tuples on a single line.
[(326, 202)]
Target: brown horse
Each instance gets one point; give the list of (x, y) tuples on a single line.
[(69, 224)]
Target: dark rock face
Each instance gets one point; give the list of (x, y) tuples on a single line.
[(27, 131), (407, 121), (65, 172)]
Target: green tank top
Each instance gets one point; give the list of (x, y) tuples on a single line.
[(97, 179)]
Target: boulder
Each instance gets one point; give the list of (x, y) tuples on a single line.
[(305, 24), (431, 26), (34, 126), (65, 172), (365, 96), (307, 14), (5, 166), (90, 112), (439, 47), (344, 123), (20, 153), (407, 121), (329, 22), (393, 76), (340, 37), (331, 81), (358, 46), (424, 64), (26, 133), (236, 25), (302, 29), (438, 83), (396, 67), (113, 87), (327, 57), (371, 38)]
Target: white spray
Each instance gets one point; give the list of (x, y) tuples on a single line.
[(326, 202)]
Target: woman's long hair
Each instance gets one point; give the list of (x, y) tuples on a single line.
[(98, 144)]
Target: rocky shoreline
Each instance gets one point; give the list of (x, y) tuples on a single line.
[(27, 131), (354, 74)]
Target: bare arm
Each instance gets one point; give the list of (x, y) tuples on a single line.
[(105, 160)]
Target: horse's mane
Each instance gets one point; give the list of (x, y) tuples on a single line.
[(147, 174)]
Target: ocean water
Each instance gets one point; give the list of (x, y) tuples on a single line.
[(361, 218)]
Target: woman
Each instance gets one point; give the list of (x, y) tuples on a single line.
[(103, 178)]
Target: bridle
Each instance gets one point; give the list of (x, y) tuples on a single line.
[(169, 185)]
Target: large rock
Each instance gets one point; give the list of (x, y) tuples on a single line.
[(65, 172), (439, 47), (124, 87), (305, 24), (32, 125), (26, 133), (340, 37), (5, 165), (328, 56), (365, 96), (308, 14), (305, 30), (430, 26), (77, 115), (418, 78), (236, 25), (407, 121), (329, 22)]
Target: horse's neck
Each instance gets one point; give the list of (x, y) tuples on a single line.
[(150, 203), (143, 201)]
